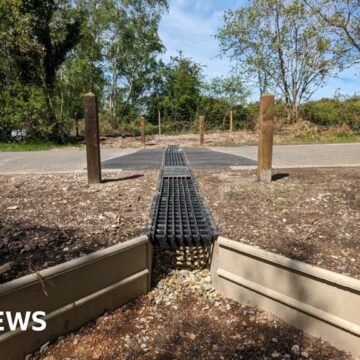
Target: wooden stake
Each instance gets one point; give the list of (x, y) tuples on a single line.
[(265, 131), (142, 130), (202, 129), (92, 139), (231, 121), (159, 120)]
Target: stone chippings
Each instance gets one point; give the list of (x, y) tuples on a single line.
[(183, 317), (181, 272)]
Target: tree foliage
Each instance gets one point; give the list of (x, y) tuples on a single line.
[(178, 91), (342, 18), (282, 45), (54, 51)]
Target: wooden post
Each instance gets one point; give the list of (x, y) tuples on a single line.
[(265, 131), (142, 130), (231, 121), (92, 138), (159, 120), (202, 129)]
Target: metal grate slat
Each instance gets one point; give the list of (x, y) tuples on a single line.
[(179, 216)]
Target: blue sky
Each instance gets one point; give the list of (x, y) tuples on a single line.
[(190, 26)]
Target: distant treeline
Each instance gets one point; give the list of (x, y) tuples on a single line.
[(326, 113), (52, 52)]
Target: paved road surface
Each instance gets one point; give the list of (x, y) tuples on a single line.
[(200, 158), (52, 160), (304, 155)]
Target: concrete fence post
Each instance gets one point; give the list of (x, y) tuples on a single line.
[(265, 131), (202, 129), (231, 121), (142, 130), (92, 138)]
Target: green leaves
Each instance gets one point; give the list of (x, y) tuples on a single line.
[(282, 46)]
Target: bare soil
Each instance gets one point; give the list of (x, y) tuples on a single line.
[(186, 140), (295, 134), (310, 215), (49, 219)]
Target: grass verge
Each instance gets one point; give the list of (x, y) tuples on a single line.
[(34, 145)]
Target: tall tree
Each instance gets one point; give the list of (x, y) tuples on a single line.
[(83, 70), (342, 17), (19, 102), (280, 42), (183, 84), (133, 46), (56, 30)]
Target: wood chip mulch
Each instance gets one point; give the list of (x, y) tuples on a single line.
[(311, 215), (49, 219), (184, 318)]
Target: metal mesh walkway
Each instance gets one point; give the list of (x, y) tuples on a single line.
[(179, 215)]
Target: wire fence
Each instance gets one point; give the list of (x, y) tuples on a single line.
[(190, 124), (218, 122)]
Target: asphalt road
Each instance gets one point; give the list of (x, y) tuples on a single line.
[(316, 155), (57, 160), (69, 160)]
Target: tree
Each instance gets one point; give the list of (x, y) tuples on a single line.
[(183, 84), (133, 46), (222, 95), (280, 44), (56, 28), (343, 18), (54, 51), (16, 41), (230, 90), (83, 70), (20, 104)]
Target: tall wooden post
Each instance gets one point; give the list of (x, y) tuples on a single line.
[(92, 139), (159, 121), (202, 129), (265, 131), (142, 130), (231, 121)]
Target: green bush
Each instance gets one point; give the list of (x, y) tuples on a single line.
[(23, 109), (333, 112)]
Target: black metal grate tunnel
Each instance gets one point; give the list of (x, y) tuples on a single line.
[(179, 215)]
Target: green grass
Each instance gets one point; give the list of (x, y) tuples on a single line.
[(34, 145), (325, 139)]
